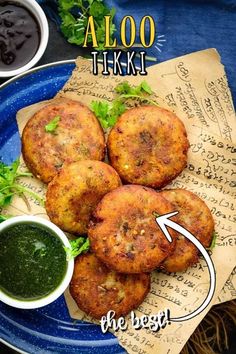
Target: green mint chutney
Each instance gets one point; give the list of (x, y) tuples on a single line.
[(32, 261)]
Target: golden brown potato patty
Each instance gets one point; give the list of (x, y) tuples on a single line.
[(78, 136), (196, 217), (97, 289), (74, 193), (148, 146), (123, 232)]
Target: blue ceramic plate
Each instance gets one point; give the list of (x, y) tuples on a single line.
[(49, 329)]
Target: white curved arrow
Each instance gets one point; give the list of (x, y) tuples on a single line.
[(163, 221)]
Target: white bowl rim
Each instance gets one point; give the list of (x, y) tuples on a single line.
[(34, 7), (33, 304)]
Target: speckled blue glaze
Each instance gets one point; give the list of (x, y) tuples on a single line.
[(37, 85), (49, 329)]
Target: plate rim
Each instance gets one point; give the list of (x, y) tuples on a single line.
[(48, 65), (9, 345), (35, 69), (6, 83)]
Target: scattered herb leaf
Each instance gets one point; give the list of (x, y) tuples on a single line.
[(78, 246), (74, 15), (108, 113), (156, 214), (52, 125), (4, 217), (125, 88), (9, 185), (213, 241)]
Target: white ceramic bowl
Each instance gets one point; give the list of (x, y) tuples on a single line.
[(37, 11), (67, 277)]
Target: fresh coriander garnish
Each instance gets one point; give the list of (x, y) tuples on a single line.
[(140, 92), (4, 217), (108, 113), (124, 88), (52, 125), (74, 15), (9, 185), (78, 246), (213, 241)]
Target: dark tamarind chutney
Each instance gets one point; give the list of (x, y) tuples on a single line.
[(19, 35)]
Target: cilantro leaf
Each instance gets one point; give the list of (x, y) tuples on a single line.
[(9, 185), (74, 16), (52, 125), (213, 241), (78, 246), (4, 217), (146, 87), (108, 113), (101, 109), (125, 88), (116, 110)]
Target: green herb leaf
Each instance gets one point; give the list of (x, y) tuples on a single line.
[(146, 87), (116, 109), (4, 217), (74, 15), (125, 88), (78, 246), (52, 125), (108, 113), (9, 185), (101, 111), (213, 241)]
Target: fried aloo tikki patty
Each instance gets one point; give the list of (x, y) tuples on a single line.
[(96, 289), (78, 136), (123, 232), (148, 146), (196, 217), (74, 193)]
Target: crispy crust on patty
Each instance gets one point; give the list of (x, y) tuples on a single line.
[(123, 232), (97, 289), (148, 146), (78, 136), (196, 217), (75, 192)]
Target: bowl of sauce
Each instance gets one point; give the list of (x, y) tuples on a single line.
[(34, 269), (23, 36)]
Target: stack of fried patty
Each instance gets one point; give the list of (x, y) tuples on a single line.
[(147, 148)]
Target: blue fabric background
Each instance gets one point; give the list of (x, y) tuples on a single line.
[(188, 26)]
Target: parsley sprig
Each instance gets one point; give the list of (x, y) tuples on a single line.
[(10, 186), (108, 113), (74, 15), (78, 246)]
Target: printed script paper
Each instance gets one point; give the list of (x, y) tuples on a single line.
[(194, 86), (210, 173)]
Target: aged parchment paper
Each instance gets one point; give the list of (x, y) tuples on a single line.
[(195, 86)]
